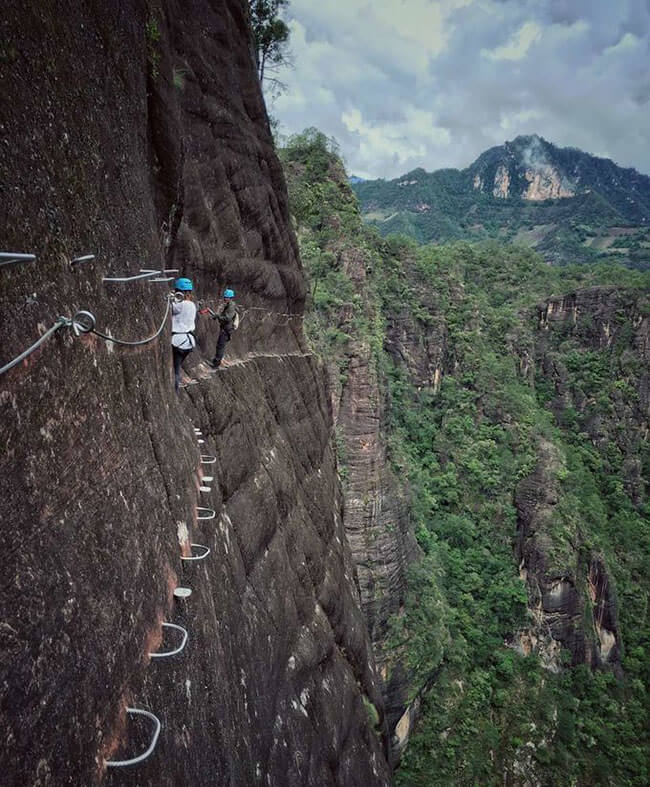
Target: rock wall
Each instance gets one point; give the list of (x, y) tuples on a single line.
[(376, 505), (560, 586), (546, 182), (571, 595), (615, 321), (138, 132)]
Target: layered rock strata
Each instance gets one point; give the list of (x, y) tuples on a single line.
[(376, 507)]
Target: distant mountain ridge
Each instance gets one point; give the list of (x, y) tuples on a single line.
[(569, 205)]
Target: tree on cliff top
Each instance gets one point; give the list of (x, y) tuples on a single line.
[(271, 38)]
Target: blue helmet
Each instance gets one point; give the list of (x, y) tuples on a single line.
[(229, 294), (184, 285)]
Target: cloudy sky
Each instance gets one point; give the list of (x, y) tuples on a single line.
[(432, 83)]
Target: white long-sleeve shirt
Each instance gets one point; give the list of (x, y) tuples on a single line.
[(183, 322)]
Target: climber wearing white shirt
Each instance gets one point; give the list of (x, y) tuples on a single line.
[(183, 325)]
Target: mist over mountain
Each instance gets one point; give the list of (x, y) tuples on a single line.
[(568, 205)]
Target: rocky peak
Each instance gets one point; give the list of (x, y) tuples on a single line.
[(525, 167)]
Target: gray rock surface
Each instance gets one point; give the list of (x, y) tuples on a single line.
[(139, 133)]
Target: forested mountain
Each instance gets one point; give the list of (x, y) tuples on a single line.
[(511, 401), (568, 205)]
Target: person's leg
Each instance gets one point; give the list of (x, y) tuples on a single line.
[(222, 341), (179, 357)]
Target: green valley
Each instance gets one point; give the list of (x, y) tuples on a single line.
[(514, 405)]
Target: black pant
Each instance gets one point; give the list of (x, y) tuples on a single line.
[(179, 357), (222, 341)]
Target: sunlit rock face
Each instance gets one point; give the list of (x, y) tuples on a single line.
[(145, 140), (547, 183), (501, 188)]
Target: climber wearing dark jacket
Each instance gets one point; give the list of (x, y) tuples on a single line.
[(227, 316)]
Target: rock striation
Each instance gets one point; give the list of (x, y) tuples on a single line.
[(377, 506), (154, 150)]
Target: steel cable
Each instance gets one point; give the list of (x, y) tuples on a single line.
[(60, 323), (126, 343)]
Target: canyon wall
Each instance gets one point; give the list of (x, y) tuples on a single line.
[(586, 341), (138, 132)]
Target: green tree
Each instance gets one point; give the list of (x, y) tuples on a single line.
[(271, 39)]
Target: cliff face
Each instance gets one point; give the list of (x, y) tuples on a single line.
[(376, 512), (562, 587), (586, 341), (612, 322), (376, 503), (148, 145)]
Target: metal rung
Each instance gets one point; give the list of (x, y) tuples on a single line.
[(200, 442), (85, 258), (206, 459), (182, 593), (169, 278), (198, 557), (159, 270), (205, 489), (211, 513), (12, 257), (207, 479), (152, 745), (177, 650), (130, 278)]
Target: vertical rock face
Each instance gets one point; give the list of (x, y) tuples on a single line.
[(376, 518), (145, 141), (572, 598), (545, 182), (501, 183), (559, 587), (614, 321)]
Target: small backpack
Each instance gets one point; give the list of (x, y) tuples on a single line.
[(235, 321)]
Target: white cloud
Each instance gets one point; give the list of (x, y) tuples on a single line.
[(518, 45), (402, 141), (519, 121), (421, 23), (627, 43), (432, 83)]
